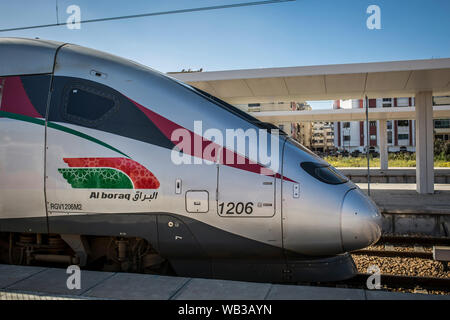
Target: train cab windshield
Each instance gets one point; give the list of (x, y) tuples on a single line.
[(324, 172)]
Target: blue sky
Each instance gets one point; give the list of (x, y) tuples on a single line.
[(300, 33)]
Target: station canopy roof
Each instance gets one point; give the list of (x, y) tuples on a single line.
[(325, 82), (403, 113)]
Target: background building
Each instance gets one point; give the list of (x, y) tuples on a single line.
[(323, 136), (352, 135), (401, 134), (442, 129), (442, 126)]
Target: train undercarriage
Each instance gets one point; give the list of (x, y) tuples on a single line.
[(91, 252), (137, 255)]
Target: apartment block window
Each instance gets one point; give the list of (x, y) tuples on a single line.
[(387, 102), (389, 125), (442, 124), (346, 138), (403, 136), (402, 102), (389, 136), (373, 137), (372, 123), (403, 123), (346, 125)]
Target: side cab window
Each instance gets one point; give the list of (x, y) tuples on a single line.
[(87, 104)]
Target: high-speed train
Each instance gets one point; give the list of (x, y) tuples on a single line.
[(94, 172)]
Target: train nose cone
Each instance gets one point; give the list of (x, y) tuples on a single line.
[(360, 221)]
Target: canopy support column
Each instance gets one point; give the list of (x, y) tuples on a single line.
[(383, 145), (424, 143)]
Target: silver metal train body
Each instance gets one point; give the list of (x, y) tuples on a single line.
[(86, 147)]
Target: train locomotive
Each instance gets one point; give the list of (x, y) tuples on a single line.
[(92, 173)]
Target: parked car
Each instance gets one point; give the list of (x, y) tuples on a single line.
[(356, 153), (343, 153)]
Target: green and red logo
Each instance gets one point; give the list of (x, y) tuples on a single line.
[(108, 173)]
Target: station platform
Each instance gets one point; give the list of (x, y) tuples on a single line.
[(407, 212), (393, 174), (41, 283), (402, 198)]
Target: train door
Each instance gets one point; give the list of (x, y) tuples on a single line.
[(247, 206), (243, 194), (23, 102)]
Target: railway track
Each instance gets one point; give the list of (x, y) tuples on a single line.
[(389, 282), (404, 241), (421, 240), (394, 253), (406, 247)]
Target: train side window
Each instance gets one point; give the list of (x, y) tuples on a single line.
[(87, 105)]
